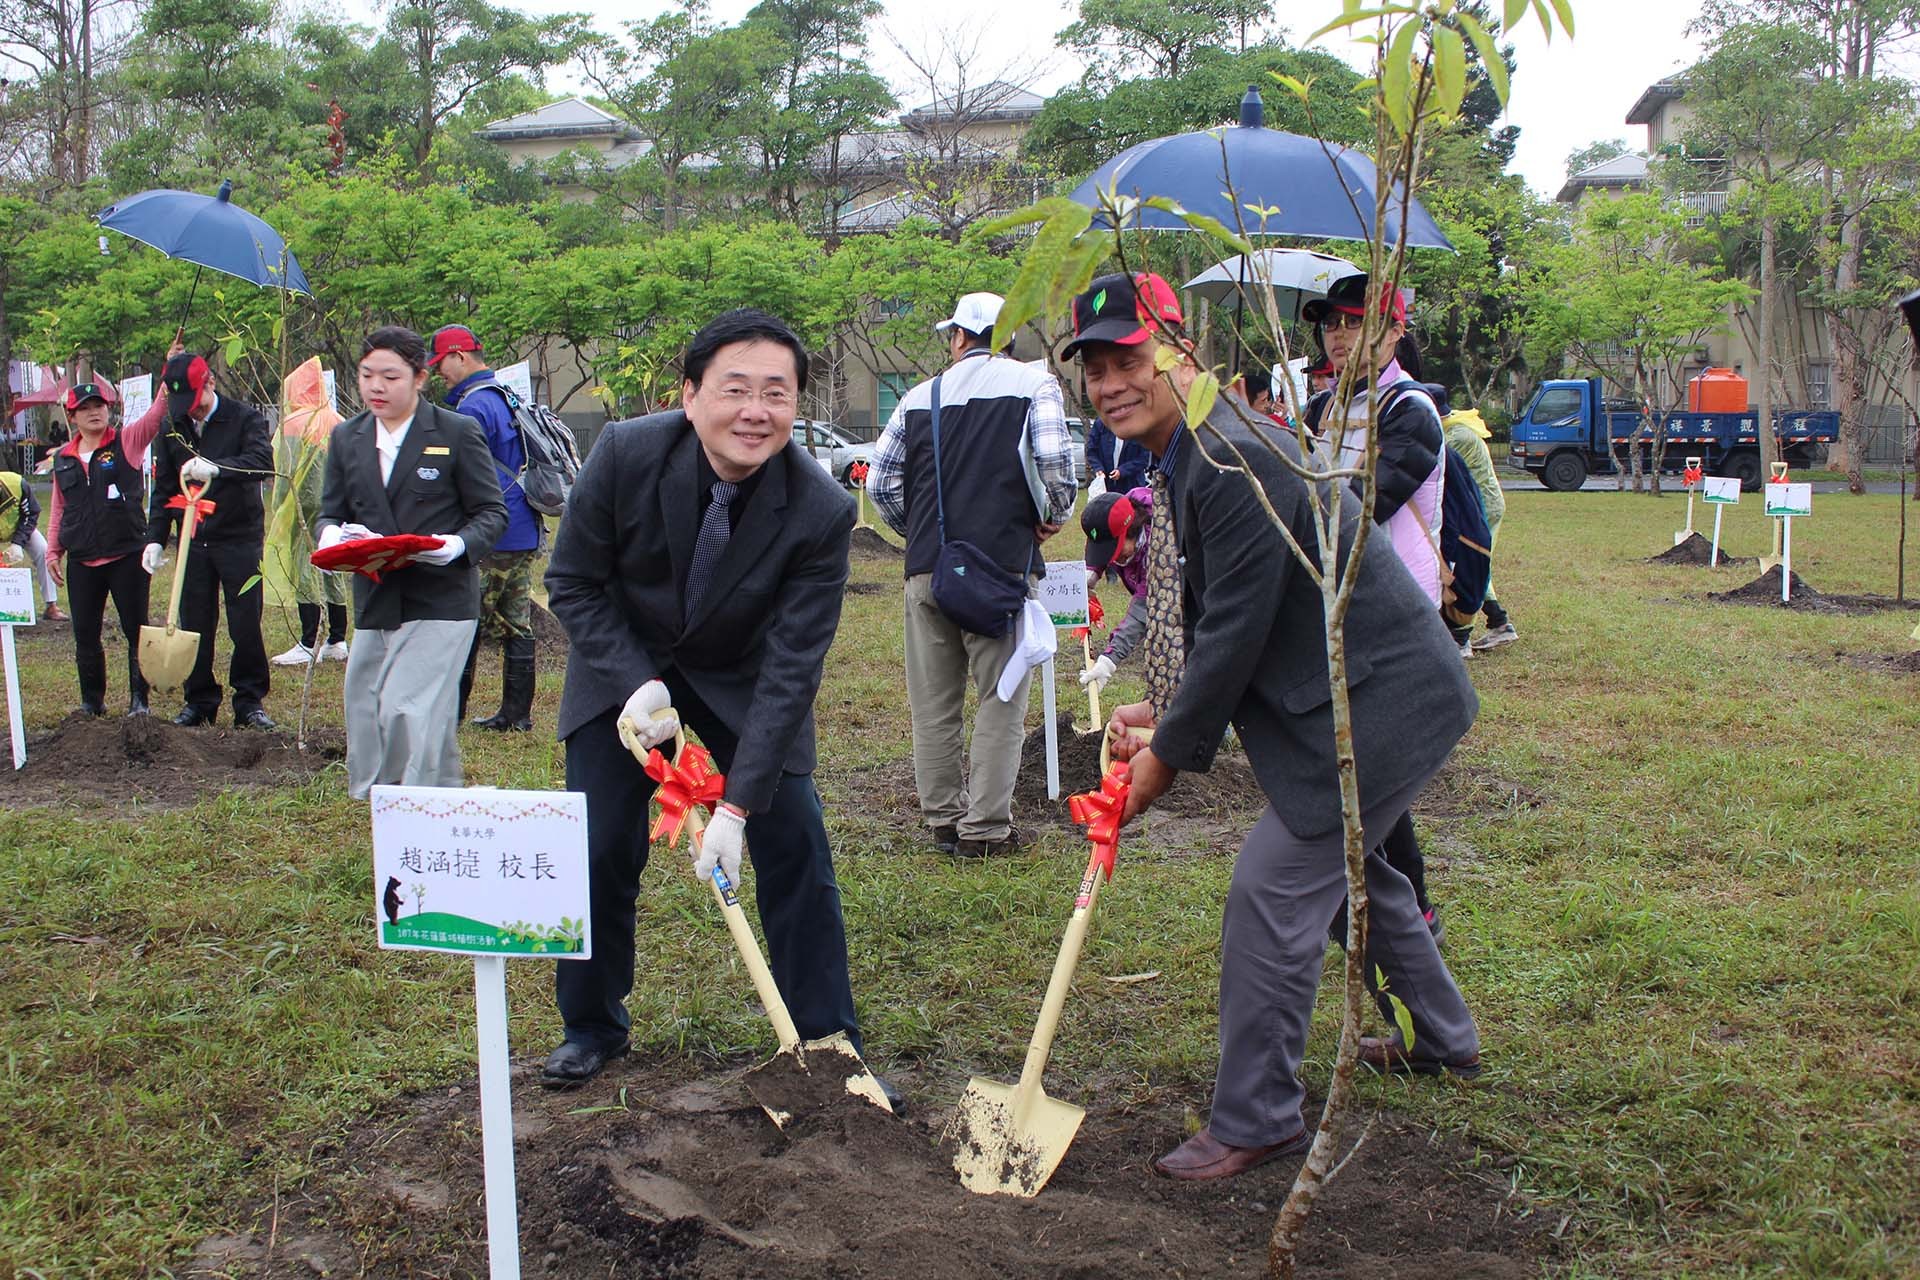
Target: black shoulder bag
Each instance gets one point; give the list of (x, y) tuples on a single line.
[(974, 593)]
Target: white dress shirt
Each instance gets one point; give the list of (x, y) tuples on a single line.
[(388, 443)]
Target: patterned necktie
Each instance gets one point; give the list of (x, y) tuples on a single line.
[(1165, 647), (714, 532)]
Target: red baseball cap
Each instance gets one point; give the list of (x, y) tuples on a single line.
[(1348, 296), (1123, 309), (449, 338), (81, 392)]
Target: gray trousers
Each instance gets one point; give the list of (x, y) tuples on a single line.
[(402, 696), (941, 658), (1273, 940)]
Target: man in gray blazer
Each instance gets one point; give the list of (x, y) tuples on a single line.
[(701, 565), (1255, 641)]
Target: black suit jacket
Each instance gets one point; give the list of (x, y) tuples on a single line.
[(443, 482), (235, 437), (756, 646), (1257, 648)]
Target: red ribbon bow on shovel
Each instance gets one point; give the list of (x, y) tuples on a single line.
[(1099, 812), (1095, 616), (859, 473), (1692, 476), (203, 507), (684, 784)]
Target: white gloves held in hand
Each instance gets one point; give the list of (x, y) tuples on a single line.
[(720, 843), (1097, 675), (152, 556), (639, 731), (198, 471), (14, 555), (452, 547)]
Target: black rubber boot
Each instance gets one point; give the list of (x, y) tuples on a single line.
[(466, 678), (516, 690)]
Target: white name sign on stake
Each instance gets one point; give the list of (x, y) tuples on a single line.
[(1721, 492), (136, 396), (520, 378), (505, 873), (1063, 593), (17, 604), (1785, 501)]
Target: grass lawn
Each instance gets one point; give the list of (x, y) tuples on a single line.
[(1686, 911)]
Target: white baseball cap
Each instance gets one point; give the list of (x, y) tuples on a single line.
[(975, 312)]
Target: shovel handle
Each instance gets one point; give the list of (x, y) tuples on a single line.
[(188, 523), (1058, 986), (743, 940), (1093, 690)]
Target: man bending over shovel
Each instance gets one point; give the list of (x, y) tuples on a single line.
[(1254, 640), (700, 566)]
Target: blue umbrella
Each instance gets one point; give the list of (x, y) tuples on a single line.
[(211, 232), (1312, 189)]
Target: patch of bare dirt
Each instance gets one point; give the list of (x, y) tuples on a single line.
[(1765, 590), (1697, 550), (867, 544), (1899, 664), (86, 760), (656, 1171), (1226, 792)]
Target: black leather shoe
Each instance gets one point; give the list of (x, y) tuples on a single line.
[(946, 839), (254, 719), (137, 706), (573, 1063), (192, 718)]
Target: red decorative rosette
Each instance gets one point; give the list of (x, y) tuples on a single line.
[(1096, 614), (375, 556), (859, 473), (1692, 476), (1100, 811), (1782, 478), (684, 783), (202, 507)]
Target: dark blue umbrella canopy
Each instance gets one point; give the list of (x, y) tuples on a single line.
[(208, 231), (1311, 189)]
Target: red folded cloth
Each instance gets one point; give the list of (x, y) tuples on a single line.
[(375, 556)]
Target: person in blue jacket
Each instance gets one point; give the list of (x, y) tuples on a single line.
[(506, 575), (1123, 463)]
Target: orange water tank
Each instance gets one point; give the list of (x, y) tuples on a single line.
[(1717, 391)]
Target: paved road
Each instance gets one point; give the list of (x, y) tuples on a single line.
[(1520, 482)]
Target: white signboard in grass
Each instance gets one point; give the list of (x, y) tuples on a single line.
[(1063, 592), (1790, 499), (481, 872), (1721, 488), (136, 396), (520, 378), (17, 601), (331, 382)]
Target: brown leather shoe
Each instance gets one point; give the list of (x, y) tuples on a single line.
[(1204, 1157), (1389, 1057)]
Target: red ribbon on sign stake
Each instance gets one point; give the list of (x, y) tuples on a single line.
[(1099, 812), (684, 783)]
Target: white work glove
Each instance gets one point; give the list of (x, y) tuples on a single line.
[(355, 532), (14, 554), (197, 471), (452, 547), (720, 843), (152, 556), (639, 731), (329, 537), (1097, 675)]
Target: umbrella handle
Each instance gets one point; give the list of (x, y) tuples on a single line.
[(180, 331)]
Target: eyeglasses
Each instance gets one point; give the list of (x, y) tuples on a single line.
[(738, 397), (1341, 320)]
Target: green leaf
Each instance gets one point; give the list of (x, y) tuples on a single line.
[(1199, 222), (1297, 87), (1565, 9), (236, 348), (1353, 17), (1050, 257), (1046, 210), (1516, 10), (1490, 59), (1546, 20), (1402, 1018), (1396, 86), (1200, 398), (1449, 70), (250, 584)]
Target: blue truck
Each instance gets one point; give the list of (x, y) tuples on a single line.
[(1563, 437)]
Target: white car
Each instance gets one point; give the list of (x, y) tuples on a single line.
[(832, 448)]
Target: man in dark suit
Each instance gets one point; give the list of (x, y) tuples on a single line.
[(1255, 656), (224, 446), (701, 565), (407, 465)]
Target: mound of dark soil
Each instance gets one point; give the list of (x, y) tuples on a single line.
[(1697, 550), (1906, 664), (87, 759), (1228, 789), (652, 1171), (1765, 590), (549, 638), (867, 544)]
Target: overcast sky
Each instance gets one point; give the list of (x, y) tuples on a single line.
[(1565, 95)]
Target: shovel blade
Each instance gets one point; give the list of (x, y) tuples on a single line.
[(812, 1077), (1681, 535), (167, 656), (1000, 1152)]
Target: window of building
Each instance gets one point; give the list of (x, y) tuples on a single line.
[(1819, 384), (893, 389)]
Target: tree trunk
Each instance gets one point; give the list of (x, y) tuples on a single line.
[(1848, 379), (1769, 238)]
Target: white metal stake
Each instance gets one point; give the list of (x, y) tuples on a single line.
[(1053, 731), (1719, 509), (496, 1117), (14, 722), (1786, 558)]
